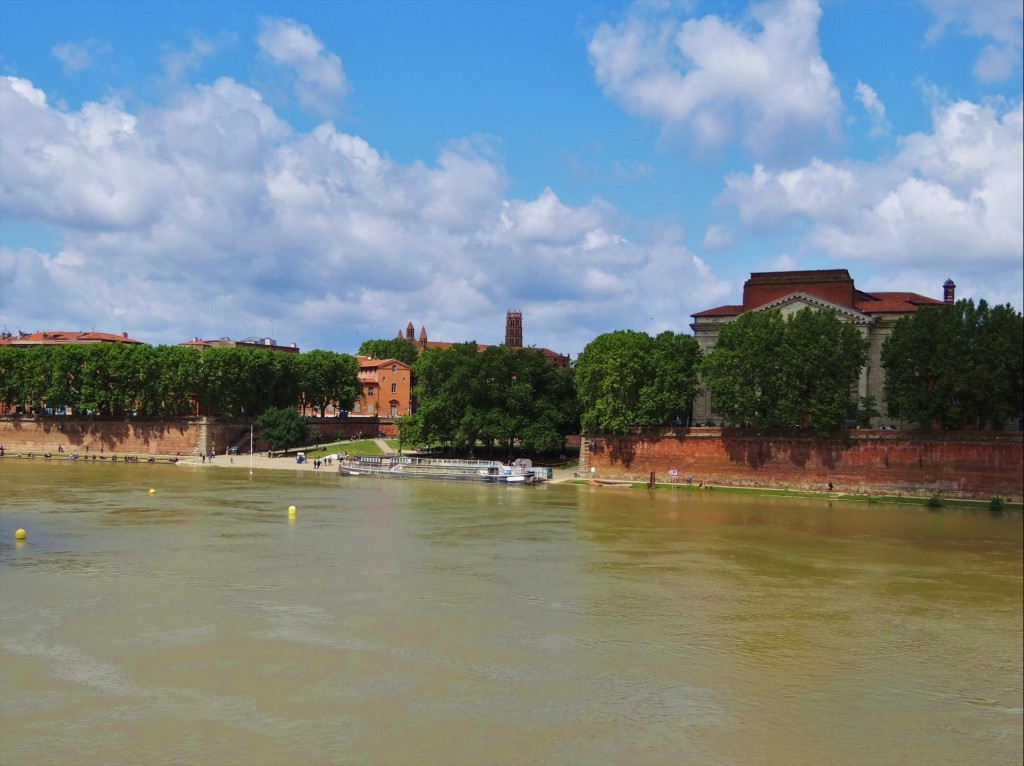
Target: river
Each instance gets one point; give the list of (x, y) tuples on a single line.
[(408, 623)]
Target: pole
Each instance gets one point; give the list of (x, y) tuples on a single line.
[(250, 449)]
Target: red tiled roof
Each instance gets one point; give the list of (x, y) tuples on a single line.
[(60, 337), (721, 311), (893, 303)]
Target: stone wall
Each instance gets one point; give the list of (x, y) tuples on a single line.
[(976, 465), (178, 436)]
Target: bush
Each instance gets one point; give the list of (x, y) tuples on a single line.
[(995, 504), (282, 428), (935, 501)]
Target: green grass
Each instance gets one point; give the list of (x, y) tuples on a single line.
[(360, 447)]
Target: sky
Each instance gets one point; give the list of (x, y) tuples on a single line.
[(324, 173)]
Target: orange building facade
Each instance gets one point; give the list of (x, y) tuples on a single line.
[(386, 388)]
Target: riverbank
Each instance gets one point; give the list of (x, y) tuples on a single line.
[(559, 476)]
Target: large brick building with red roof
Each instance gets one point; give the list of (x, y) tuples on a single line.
[(874, 314)]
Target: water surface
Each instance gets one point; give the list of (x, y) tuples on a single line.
[(422, 623)]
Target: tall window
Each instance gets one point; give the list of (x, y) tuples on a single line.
[(394, 388)]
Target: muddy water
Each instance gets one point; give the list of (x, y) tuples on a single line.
[(418, 623)]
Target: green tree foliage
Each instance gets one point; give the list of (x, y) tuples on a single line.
[(949, 366), (326, 377), (282, 428), (772, 372), (115, 379), (402, 349), (626, 379), (500, 397)]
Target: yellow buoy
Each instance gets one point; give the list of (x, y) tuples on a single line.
[(152, 491), (291, 510), (19, 534)]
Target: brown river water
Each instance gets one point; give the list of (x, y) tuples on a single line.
[(412, 623)]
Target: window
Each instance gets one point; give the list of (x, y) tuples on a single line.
[(394, 409), (394, 368), (394, 388), (369, 391)]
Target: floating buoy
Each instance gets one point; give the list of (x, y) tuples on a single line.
[(152, 491), (291, 510), (19, 534)]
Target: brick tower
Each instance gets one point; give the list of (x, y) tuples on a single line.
[(514, 329)]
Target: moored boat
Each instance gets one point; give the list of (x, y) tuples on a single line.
[(520, 471)]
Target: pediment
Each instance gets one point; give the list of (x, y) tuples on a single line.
[(794, 302)]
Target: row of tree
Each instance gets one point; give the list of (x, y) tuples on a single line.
[(121, 378), (946, 366)]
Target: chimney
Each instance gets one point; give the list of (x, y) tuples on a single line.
[(124, 334), (948, 292)]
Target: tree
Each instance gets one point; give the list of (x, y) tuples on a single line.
[(282, 428), (501, 397), (326, 377), (772, 372), (672, 383), (822, 357), (402, 349), (610, 373), (951, 365), (626, 379), (744, 372)]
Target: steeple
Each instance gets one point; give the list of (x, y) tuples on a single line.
[(948, 291)]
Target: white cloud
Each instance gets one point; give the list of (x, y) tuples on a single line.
[(952, 196), (874, 107), (999, 21), (320, 83), (763, 83), (208, 215)]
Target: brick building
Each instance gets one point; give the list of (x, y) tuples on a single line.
[(387, 388), (874, 315)]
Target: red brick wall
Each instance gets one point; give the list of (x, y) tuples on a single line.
[(974, 465), (759, 293), (169, 437)]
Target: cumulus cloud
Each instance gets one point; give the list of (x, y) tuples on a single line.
[(951, 196), (209, 215), (998, 21), (874, 107), (320, 83), (761, 82)]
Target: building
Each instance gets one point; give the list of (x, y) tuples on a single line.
[(387, 388), (266, 343), (61, 337), (513, 339), (874, 314)]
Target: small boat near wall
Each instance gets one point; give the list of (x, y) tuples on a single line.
[(520, 471)]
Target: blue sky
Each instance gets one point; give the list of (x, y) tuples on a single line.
[(324, 173)]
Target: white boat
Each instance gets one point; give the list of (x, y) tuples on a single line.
[(520, 471)]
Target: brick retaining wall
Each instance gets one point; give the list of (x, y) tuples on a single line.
[(173, 436), (975, 465)]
